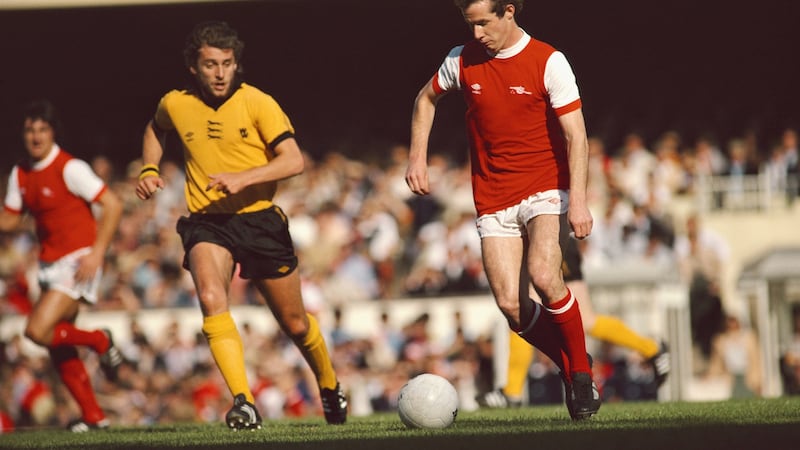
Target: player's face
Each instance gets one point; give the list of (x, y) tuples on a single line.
[(215, 70), (38, 137), (492, 31)]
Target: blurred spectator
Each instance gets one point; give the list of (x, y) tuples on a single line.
[(669, 174), (387, 343), (738, 167), (776, 169), (631, 170), (381, 231), (792, 158), (709, 159), (702, 256), (598, 185), (790, 357), (735, 357)]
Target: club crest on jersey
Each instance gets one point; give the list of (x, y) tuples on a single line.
[(519, 90), (214, 129), (243, 132), (476, 88)]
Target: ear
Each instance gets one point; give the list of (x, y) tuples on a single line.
[(510, 10), (193, 70)]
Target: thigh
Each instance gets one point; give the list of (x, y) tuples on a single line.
[(53, 307), (212, 267), (544, 255), (284, 298), (502, 261)]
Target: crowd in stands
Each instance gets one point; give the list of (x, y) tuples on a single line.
[(361, 235)]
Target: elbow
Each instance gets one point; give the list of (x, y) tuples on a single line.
[(299, 166)]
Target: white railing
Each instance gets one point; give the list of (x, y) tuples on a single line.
[(761, 192)]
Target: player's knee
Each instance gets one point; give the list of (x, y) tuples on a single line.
[(36, 334), (545, 282), (509, 305), (295, 326), (213, 301)]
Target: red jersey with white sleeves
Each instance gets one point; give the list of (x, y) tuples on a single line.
[(513, 100), (57, 191)]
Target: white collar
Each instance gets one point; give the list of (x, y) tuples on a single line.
[(43, 163), (516, 48)]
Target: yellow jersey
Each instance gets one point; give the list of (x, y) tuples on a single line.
[(236, 136)]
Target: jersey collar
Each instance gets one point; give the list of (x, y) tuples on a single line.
[(215, 103), (514, 49), (43, 163)]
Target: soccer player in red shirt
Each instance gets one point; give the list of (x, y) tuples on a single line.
[(58, 190), (529, 158)]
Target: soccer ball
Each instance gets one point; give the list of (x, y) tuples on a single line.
[(428, 401)]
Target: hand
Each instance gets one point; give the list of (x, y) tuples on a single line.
[(148, 186), (227, 183), (417, 178), (87, 266), (580, 220)]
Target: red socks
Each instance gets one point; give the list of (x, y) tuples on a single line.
[(543, 334), (73, 373), (566, 317), (65, 333), (557, 331)]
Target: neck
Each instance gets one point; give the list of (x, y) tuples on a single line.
[(213, 101), (513, 37)]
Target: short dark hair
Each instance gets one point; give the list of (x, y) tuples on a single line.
[(42, 110), (498, 6), (213, 33)]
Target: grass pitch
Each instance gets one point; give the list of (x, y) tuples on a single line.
[(753, 424)]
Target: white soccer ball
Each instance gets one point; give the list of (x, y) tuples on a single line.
[(428, 401)]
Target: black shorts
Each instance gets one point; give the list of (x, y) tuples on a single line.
[(259, 241), (571, 258)]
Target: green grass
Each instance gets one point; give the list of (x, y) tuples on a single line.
[(754, 424)]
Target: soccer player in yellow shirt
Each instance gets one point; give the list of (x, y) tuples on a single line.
[(237, 144)]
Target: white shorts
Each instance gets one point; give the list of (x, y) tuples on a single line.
[(60, 276), (513, 221)]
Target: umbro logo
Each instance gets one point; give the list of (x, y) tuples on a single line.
[(476, 88)]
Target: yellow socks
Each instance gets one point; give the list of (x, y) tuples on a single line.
[(226, 347), (520, 356), (316, 354), (613, 330)]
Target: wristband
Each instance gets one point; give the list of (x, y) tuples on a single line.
[(149, 170)]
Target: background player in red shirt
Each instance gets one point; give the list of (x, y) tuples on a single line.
[(57, 190), (529, 158)]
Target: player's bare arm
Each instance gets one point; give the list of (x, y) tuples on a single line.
[(287, 162), (107, 226), (421, 124), (151, 182), (9, 221), (580, 218)]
